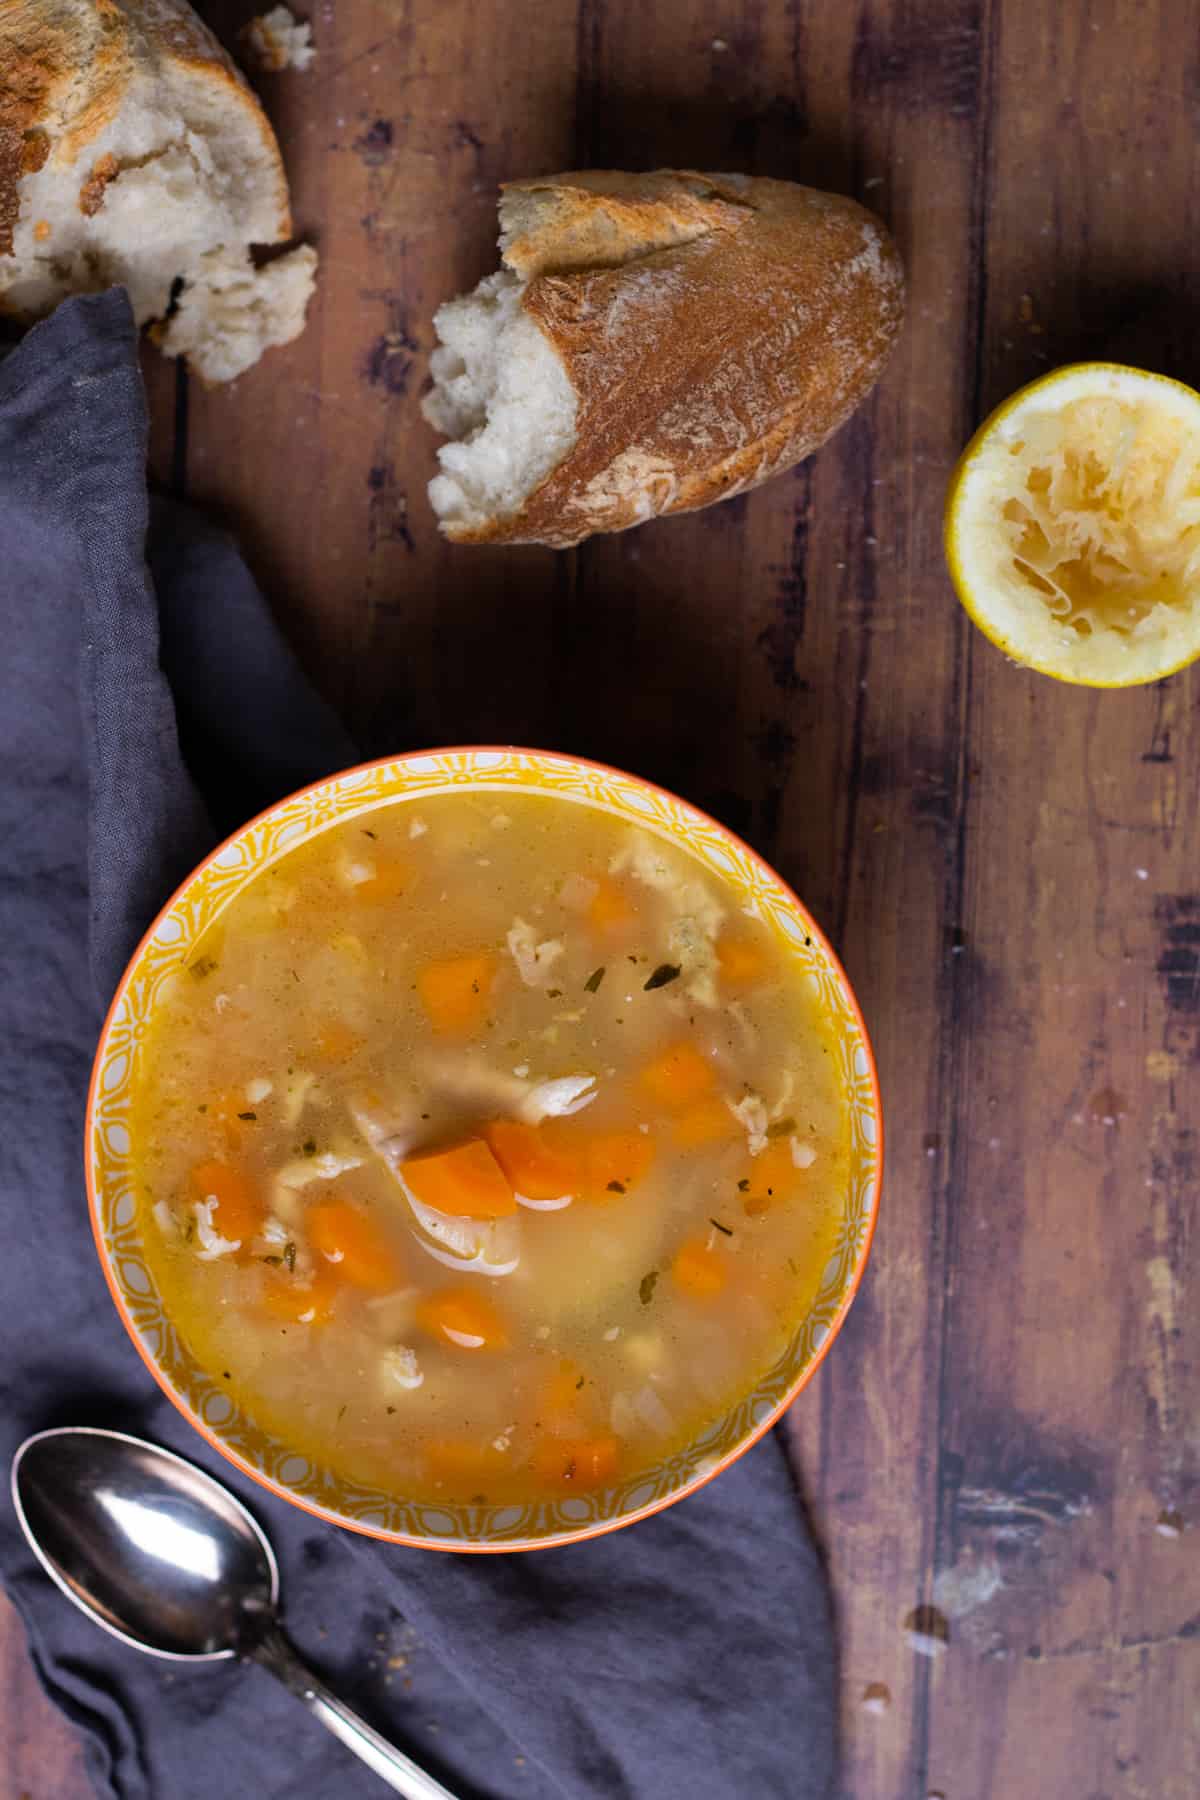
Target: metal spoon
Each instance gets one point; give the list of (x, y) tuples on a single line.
[(165, 1558)]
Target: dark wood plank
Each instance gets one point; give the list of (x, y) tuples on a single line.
[(1067, 1421)]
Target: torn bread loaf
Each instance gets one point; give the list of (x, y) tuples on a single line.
[(651, 344), (133, 152)]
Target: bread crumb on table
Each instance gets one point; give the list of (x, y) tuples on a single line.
[(278, 40)]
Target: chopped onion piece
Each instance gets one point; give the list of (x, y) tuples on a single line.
[(212, 1244), (400, 1367), (543, 1205), (557, 1099)]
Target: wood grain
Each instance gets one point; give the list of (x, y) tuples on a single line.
[(1011, 1414)]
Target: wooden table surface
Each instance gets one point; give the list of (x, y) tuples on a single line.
[(1008, 1430)]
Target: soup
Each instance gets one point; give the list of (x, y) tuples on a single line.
[(486, 1150)]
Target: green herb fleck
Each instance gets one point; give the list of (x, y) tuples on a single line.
[(293, 975), (309, 1146), (203, 965), (341, 1412), (203, 1106), (554, 993), (252, 1116), (225, 1375), (781, 1128), (289, 1256), (371, 834), (646, 1287), (273, 1260), (665, 973), (744, 1185), (190, 1231), (722, 1228), (592, 984), (615, 1187), (792, 1266), (581, 1381), (391, 1409)]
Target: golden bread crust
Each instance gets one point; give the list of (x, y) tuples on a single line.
[(67, 66), (709, 362)]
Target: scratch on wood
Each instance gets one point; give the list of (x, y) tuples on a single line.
[(375, 144), (1178, 966), (919, 68)]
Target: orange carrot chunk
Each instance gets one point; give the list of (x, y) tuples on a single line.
[(708, 1122), (561, 1404), (698, 1271), (530, 1161), (228, 1111), (466, 1181), (610, 907), (741, 961), (238, 1212), (336, 1043), (464, 1318), (615, 1162), (577, 1462), (301, 1303), (461, 1460), (391, 879), (349, 1238), (678, 1077), (768, 1180), (455, 993)]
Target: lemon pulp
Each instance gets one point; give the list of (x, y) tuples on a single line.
[(1073, 525)]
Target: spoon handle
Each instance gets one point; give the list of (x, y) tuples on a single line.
[(404, 1776)]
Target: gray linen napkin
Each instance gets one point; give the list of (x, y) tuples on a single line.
[(690, 1656)]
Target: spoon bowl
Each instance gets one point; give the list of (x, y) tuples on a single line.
[(155, 1550), (166, 1559)]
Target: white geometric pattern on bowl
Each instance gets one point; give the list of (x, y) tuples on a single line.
[(167, 947)]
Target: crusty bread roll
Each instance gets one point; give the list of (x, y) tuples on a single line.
[(653, 343), (132, 151)]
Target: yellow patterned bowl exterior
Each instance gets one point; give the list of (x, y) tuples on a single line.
[(109, 1166)]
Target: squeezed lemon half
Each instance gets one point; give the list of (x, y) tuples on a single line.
[(1073, 525)]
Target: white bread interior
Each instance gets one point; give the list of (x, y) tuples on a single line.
[(278, 40), (160, 173), (503, 397)]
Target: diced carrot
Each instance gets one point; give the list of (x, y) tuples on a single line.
[(698, 1271), (348, 943), (464, 1318), (610, 907), (708, 1122), (238, 1213), (577, 1462), (561, 1409), (348, 1237), (336, 1043), (391, 879), (534, 1166), (679, 1076), (223, 1111), (768, 1179), (455, 993), (616, 1161), (466, 1181), (300, 1303), (462, 1460), (741, 960)]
